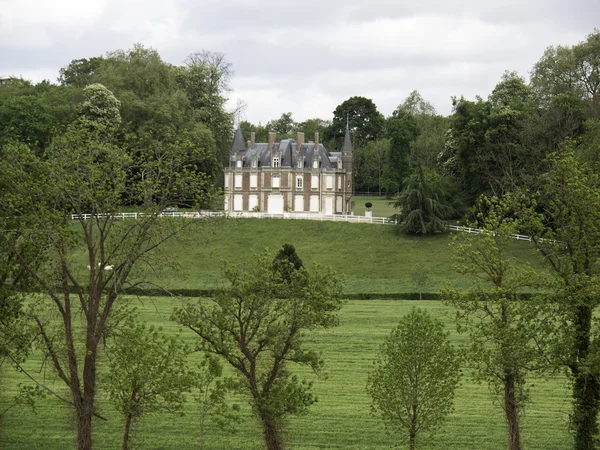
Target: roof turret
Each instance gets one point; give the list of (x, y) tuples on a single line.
[(347, 147), (238, 141)]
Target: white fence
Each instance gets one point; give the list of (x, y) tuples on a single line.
[(291, 216), (254, 215), (518, 237)]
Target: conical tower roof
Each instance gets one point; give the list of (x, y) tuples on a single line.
[(347, 147), (238, 141)]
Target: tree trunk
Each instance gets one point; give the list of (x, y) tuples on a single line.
[(84, 428), (128, 422), (85, 411), (586, 385), (511, 410), (271, 433), (412, 434)]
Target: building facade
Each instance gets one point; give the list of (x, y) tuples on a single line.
[(288, 176)]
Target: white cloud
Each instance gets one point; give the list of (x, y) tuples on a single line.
[(306, 57)]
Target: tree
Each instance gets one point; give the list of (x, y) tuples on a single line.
[(284, 126), (420, 276), (211, 396), (147, 373), (33, 114), (79, 72), (258, 325), (422, 205), (570, 69), (401, 130), (502, 329), (287, 261), (374, 159), (568, 236), (415, 375), (365, 123), (73, 201), (309, 126), (415, 104)]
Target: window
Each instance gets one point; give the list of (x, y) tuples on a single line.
[(315, 163), (339, 183), (299, 182), (238, 181), (239, 163), (275, 183), (299, 203), (252, 202), (329, 182), (314, 203), (226, 181), (300, 164), (253, 181), (314, 182), (254, 163), (238, 201), (275, 162)]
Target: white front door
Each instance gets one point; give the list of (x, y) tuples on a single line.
[(275, 204), (299, 203), (328, 205)]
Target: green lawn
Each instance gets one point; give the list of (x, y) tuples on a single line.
[(373, 258), (381, 206), (341, 418)]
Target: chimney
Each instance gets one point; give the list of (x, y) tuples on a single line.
[(316, 140), (299, 140), (252, 139), (271, 139)]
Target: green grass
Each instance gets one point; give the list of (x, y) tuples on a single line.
[(341, 418), (381, 206), (372, 258)]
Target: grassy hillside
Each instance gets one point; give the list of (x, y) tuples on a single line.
[(373, 258), (340, 420)]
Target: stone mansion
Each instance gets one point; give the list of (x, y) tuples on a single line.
[(288, 176)]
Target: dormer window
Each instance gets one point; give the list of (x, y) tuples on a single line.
[(275, 162), (300, 164), (254, 163), (315, 163), (239, 163)]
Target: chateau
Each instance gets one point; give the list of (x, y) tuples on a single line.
[(288, 176)]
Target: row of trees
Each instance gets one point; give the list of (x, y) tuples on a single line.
[(77, 148)]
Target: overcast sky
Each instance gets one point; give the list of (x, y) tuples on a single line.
[(306, 57)]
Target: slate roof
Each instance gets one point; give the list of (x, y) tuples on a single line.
[(238, 141), (347, 147), (289, 151)]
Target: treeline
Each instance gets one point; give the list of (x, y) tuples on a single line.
[(160, 104)]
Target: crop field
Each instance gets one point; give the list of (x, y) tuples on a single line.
[(340, 419)]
